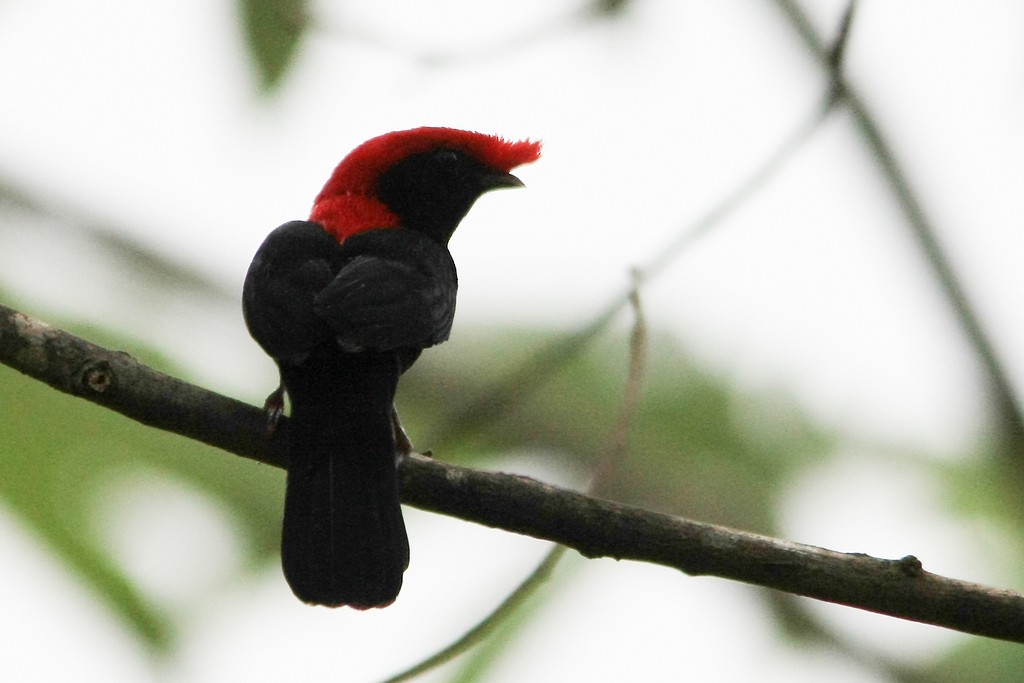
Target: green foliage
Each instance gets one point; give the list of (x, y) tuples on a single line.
[(980, 659), (58, 457), (611, 8), (273, 31), (700, 448)]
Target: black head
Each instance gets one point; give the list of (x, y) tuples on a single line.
[(432, 192)]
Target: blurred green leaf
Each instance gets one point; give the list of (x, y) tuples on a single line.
[(699, 446), (59, 455), (611, 8), (980, 659), (273, 31)]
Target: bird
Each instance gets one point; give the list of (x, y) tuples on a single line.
[(344, 303)]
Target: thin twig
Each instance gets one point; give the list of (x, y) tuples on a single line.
[(1008, 402), (618, 442), (136, 259), (488, 625), (837, 53)]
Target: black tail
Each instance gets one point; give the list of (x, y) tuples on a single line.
[(344, 540)]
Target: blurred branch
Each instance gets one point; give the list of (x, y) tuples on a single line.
[(594, 527), (546, 28), (1008, 403), (803, 625), (837, 53), (491, 623), (617, 449), (138, 261)]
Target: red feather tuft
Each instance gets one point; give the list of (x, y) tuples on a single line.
[(347, 215), (347, 204)]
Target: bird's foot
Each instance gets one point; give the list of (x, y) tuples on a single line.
[(403, 446), (274, 407)]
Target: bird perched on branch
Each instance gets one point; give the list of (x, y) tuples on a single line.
[(344, 303)]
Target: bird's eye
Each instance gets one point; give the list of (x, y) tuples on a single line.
[(446, 157)]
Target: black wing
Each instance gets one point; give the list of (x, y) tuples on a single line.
[(395, 290), (294, 263)]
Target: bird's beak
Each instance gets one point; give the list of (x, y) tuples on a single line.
[(497, 181)]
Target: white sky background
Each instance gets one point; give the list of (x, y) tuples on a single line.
[(145, 114)]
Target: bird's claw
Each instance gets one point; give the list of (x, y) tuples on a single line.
[(274, 407), (403, 446)]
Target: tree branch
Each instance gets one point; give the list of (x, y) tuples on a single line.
[(594, 527), (115, 380)]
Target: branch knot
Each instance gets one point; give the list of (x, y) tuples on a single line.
[(98, 376)]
